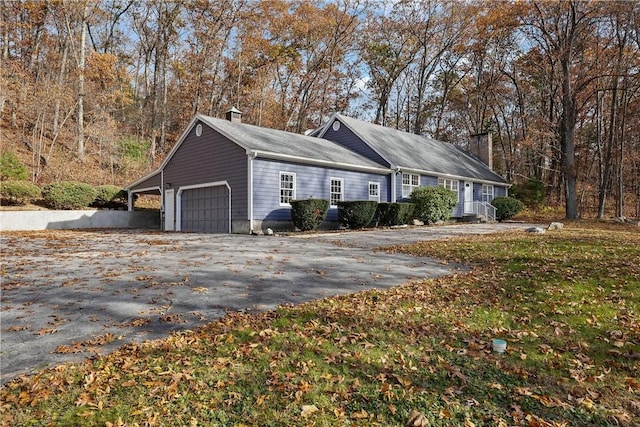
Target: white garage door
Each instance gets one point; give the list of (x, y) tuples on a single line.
[(205, 210)]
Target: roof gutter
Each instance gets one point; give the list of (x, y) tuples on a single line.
[(317, 162), (458, 177)]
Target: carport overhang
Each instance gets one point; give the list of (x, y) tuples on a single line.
[(149, 184), (149, 190)]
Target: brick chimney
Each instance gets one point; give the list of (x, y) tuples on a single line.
[(482, 146), (234, 115)]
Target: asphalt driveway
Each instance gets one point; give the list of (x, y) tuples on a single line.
[(69, 294)]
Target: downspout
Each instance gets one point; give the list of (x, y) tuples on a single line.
[(394, 191), (130, 201), (250, 156)]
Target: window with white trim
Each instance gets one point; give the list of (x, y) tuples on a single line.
[(487, 193), (336, 191), (450, 184), (287, 188), (374, 191), (410, 181)]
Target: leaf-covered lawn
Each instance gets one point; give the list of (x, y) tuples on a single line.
[(567, 302)]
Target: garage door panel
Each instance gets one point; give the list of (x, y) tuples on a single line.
[(205, 210)]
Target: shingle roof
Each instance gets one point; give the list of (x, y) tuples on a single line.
[(266, 140), (410, 151)]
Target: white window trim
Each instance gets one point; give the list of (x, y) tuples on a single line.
[(377, 197), (331, 180), (410, 186), (486, 195), (293, 195), (448, 184)]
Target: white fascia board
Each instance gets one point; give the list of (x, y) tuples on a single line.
[(204, 185), (142, 190), (144, 178), (450, 176), (317, 162)]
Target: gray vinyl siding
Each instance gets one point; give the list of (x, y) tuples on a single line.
[(311, 182), (498, 191), (211, 157), (345, 137)]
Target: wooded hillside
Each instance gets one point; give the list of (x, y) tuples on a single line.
[(99, 91)]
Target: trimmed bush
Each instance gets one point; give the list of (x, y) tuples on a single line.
[(110, 197), (68, 195), (308, 214), (388, 214), (433, 204), (11, 168), (18, 192), (356, 213), (506, 207)]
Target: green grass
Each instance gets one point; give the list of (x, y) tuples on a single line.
[(567, 302)]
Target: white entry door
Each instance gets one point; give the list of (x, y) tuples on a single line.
[(169, 210), (468, 197)]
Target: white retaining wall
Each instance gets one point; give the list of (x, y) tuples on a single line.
[(65, 220)]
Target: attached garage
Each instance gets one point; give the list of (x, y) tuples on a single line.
[(204, 208)]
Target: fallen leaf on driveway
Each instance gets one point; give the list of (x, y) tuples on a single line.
[(45, 331)]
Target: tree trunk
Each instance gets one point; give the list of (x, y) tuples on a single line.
[(620, 201), (60, 82), (567, 140), (81, 70), (607, 166), (5, 30)]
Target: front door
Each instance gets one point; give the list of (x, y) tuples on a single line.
[(169, 210), (468, 197)]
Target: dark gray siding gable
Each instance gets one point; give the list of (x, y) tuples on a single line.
[(311, 182), (207, 158), (152, 181), (345, 137)]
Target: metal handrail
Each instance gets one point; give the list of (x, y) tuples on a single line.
[(485, 209)]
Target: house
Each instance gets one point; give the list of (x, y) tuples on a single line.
[(420, 161), (225, 176)]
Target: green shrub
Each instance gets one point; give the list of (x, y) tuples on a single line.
[(388, 214), (308, 214), (110, 197), (11, 168), (68, 195), (506, 207), (18, 192), (356, 213), (433, 204)]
